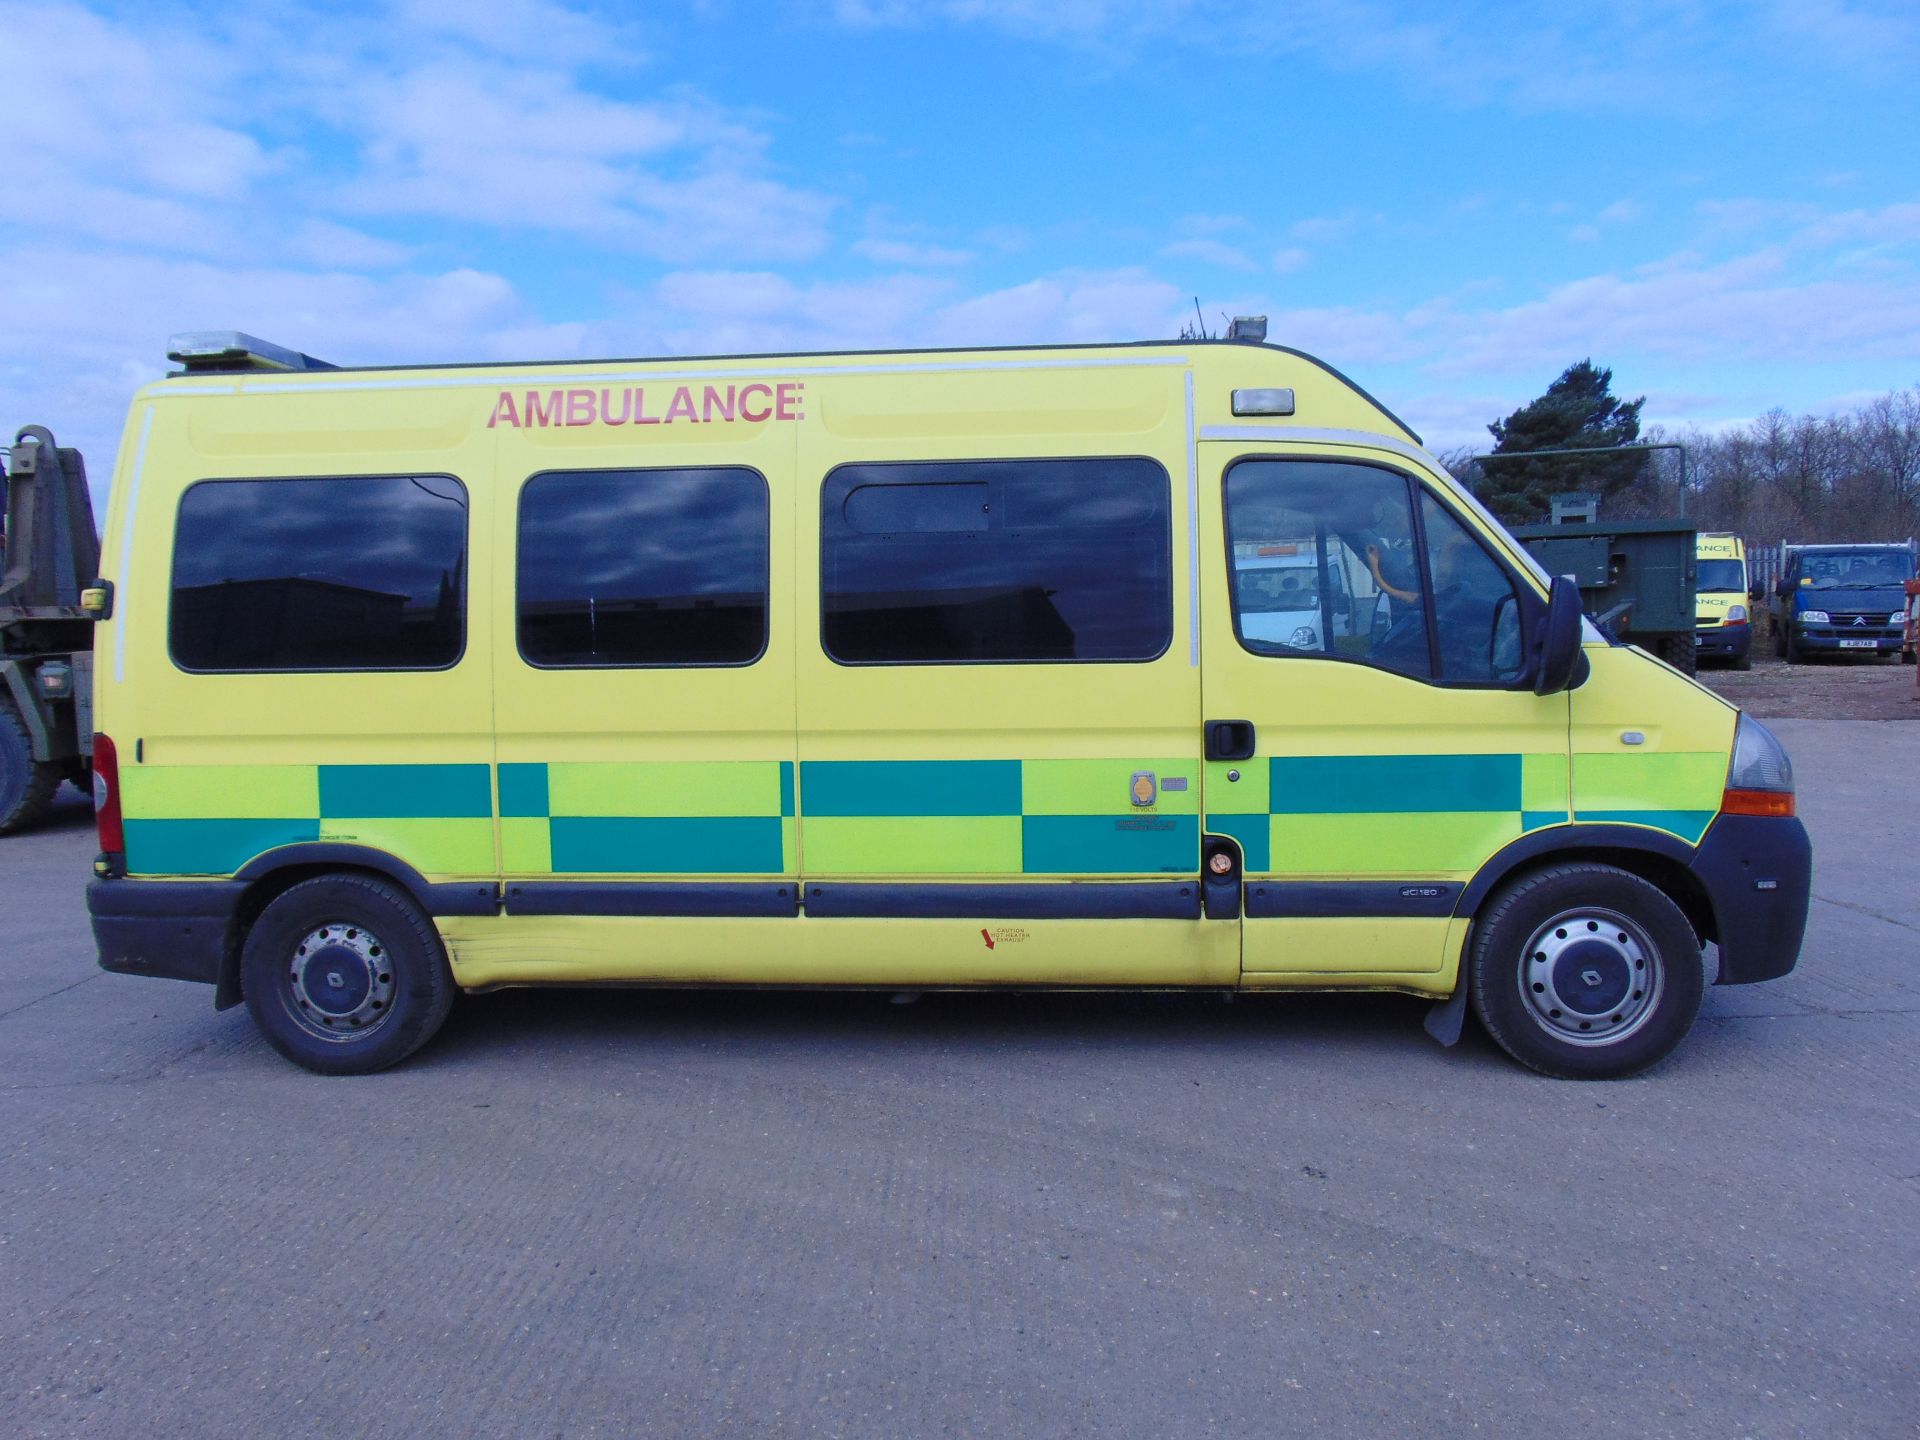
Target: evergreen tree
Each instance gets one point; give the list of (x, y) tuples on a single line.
[(1578, 412)]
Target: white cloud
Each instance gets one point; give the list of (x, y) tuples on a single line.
[(1290, 259), (95, 324)]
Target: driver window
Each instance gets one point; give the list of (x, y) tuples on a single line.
[(1324, 563), (1476, 614)]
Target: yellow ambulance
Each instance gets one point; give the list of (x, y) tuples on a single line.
[(1723, 628), (1155, 665)]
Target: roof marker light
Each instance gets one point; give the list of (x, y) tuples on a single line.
[(1263, 402)]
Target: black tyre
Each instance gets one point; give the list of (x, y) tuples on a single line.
[(26, 786), (1585, 972), (345, 976), (1906, 657), (1680, 652), (1744, 660), (1792, 652)]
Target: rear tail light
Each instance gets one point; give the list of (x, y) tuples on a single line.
[(106, 795)]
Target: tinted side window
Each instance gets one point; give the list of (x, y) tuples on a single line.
[(1000, 560), (1324, 563), (346, 573), (643, 567)]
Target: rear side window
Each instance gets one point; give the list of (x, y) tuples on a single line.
[(994, 561), (322, 573), (643, 567)]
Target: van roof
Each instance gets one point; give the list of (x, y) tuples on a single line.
[(235, 359)]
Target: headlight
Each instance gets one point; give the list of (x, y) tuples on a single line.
[(1736, 615), (1304, 639), (1759, 761), (1815, 617)]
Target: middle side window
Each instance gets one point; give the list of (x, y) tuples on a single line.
[(986, 561), (643, 567)]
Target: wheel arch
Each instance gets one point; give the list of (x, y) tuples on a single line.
[(272, 874), (1663, 861)]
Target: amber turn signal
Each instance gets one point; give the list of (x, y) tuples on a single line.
[(1776, 804)]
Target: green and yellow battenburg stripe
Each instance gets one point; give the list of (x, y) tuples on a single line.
[(1000, 817), (1292, 815), (724, 817), (213, 819), (1442, 814)]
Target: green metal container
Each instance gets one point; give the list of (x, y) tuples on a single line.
[(1636, 576)]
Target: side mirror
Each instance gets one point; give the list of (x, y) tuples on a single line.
[(1559, 657)]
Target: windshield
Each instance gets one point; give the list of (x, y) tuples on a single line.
[(1722, 577), (1858, 569)]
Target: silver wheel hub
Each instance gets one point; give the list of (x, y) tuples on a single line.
[(340, 982), (1591, 976)]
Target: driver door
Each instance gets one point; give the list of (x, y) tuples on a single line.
[(1394, 744)]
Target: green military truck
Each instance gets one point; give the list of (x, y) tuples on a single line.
[(49, 554)]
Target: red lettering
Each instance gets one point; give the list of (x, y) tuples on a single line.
[(538, 414), (580, 407), (745, 413), (503, 410), (713, 401), (681, 406), (640, 416), (787, 400), (606, 407)]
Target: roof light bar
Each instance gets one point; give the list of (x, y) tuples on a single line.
[(207, 351)]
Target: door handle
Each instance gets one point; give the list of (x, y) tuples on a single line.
[(1230, 739)]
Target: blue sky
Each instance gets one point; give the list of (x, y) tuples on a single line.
[(1721, 201)]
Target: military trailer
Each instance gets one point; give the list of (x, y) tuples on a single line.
[(1636, 578)]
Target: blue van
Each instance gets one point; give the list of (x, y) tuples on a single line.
[(1842, 599)]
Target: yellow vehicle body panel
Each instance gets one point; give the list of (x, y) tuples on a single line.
[(1711, 607), (796, 769)]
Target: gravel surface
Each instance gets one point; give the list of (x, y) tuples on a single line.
[(1825, 689)]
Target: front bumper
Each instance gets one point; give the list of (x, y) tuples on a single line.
[(1758, 874), (176, 930), (1848, 639), (1729, 641)]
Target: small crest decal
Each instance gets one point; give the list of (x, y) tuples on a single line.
[(1145, 791)]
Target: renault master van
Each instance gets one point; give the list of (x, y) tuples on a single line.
[(1723, 627), (1159, 665)]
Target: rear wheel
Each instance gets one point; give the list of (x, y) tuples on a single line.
[(1792, 652), (27, 786), (1744, 660), (345, 976), (1680, 652), (1586, 972)]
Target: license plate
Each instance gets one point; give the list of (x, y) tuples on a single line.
[(1858, 644)]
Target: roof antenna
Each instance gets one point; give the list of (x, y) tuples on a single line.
[(1198, 330)]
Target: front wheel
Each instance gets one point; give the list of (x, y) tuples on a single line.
[(1585, 972), (345, 976)]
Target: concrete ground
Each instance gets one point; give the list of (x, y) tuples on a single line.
[(708, 1214)]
